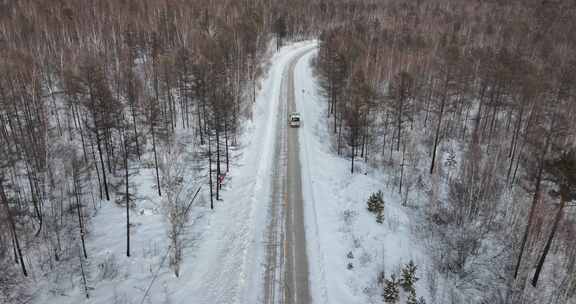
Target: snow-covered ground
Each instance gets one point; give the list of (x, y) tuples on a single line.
[(339, 229), (224, 254)]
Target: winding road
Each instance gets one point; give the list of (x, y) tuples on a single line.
[(286, 277)]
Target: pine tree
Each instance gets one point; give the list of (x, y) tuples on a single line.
[(391, 290), (376, 206), (380, 218), (375, 202), (409, 277), (412, 298)]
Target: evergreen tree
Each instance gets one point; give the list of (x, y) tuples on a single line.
[(380, 218), (376, 206), (391, 290), (409, 278), (412, 298)]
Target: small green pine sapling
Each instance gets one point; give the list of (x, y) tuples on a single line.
[(409, 277), (376, 206)]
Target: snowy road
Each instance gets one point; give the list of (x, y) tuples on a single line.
[(287, 263), (296, 290)]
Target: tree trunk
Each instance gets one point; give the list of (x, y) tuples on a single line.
[(84, 282), (563, 198), (33, 195), (339, 134), (210, 173), (135, 130), (384, 135), (102, 165), (437, 136), (126, 173), (155, 160), (77, 192), (400, 109), (217, 163), (535, 200), (227, 147), (402, 171), (353, 155), (96, 167), (428, 101), (199, 119), (12, 227)]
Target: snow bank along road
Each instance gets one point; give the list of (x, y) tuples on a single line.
[(286, 277)]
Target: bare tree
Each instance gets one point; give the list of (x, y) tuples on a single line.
[(173, 168), (562, 172)]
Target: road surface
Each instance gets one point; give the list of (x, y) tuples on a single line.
[(286, 277)]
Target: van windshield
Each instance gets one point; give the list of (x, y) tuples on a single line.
[(295, 118)]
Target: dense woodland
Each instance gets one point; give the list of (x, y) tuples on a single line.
[(91, 92), (470, 103)]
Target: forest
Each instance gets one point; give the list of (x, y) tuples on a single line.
[(92, 92), (471, 105)]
